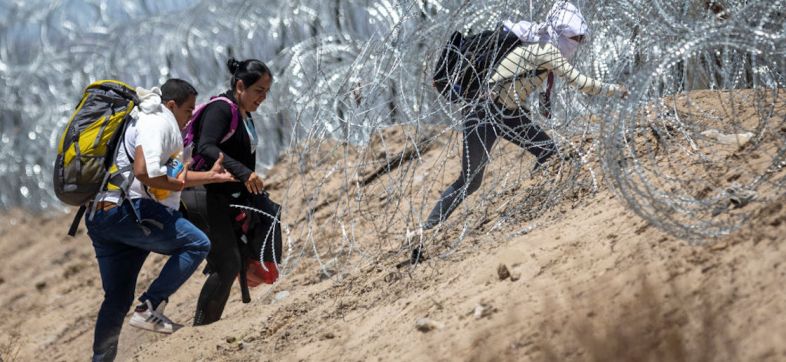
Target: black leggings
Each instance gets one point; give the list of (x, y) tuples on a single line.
[(483, 125), (224, 259)]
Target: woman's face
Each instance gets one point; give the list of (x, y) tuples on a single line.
[(252, 96)]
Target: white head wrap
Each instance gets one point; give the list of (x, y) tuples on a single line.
[(563, 21), (150, 99), (524, 30)]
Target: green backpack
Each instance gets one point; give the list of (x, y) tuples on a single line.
[(88, 146)]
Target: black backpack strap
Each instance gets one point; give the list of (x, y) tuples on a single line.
[(77, 218), (242, 246), (245, 295)]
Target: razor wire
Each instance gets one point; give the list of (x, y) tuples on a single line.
[(266, 243), (361, 145)]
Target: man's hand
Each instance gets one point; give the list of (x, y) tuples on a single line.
[(255, 184), (181, 177), (215, 174), (218, 173)]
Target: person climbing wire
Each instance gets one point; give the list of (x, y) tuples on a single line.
[(542, 52)]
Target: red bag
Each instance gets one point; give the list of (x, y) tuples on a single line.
[(256, 274)]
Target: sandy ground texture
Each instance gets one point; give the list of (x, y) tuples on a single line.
[(545, 266)]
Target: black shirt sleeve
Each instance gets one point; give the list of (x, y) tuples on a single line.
[(215, 124)]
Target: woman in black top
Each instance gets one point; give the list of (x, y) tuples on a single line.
[(250, 82)]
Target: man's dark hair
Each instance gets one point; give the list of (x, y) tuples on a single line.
[(177, 90)]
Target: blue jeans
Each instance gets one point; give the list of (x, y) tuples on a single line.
[(122, 245)]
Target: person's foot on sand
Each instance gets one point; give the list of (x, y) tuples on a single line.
[(414, 239), (415, 235), (417, 255), (145, 317)]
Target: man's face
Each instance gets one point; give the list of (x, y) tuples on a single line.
[(182, 112)]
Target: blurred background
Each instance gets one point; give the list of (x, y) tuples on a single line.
[(346, 69)]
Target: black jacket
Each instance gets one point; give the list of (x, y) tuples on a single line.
[(212, 125)]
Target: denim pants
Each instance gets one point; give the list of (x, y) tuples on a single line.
[(122, 245), (482, 127)]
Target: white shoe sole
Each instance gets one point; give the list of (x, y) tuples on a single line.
[(141, 324)]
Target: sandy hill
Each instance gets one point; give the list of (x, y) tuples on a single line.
[(544, 266)]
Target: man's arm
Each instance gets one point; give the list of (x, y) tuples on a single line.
[(161, 182), (216, 174)]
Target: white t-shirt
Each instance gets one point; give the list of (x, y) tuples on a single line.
[(155, 128)]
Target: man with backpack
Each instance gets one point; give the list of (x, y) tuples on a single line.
[(125, 226)]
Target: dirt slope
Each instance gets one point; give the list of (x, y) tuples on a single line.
[(592, 280)]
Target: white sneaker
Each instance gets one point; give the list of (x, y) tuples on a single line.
[(414, 235), (145, 317), (414, 239)]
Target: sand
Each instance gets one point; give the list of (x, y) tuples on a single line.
[(588, 279)]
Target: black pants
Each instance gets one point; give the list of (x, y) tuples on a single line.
[(224, 260), (483, 125)]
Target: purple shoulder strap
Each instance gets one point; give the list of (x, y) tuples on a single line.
[(235, 117), (188, 133)]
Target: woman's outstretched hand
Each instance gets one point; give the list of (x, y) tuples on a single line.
[(254, 184)]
